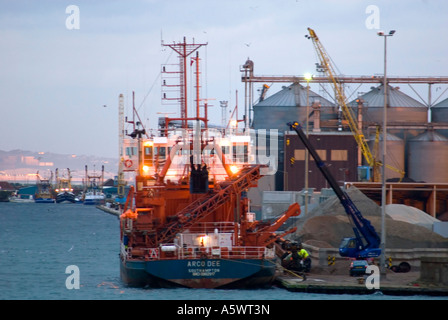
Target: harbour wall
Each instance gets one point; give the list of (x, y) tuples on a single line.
[(434, 270), (415, 257)]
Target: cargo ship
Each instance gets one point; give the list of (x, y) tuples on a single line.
[(186, 221)]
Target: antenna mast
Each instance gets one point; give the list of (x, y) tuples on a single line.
[(183, 49)]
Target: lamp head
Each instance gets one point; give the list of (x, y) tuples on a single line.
[(308, 76)]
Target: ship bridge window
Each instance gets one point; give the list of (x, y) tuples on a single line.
[(148, 151), (160, 152), (182, 152), (207, 153), (240, 153), (148, 155), (131, 151)]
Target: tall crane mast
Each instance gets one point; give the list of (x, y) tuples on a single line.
[(348, 112), (366, 243)]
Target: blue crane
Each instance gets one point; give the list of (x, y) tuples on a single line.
[(366, 243)]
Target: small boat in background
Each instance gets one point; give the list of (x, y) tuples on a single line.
[(64, 188), (94, 197), (24, 198), (93, 189), (44, 192)]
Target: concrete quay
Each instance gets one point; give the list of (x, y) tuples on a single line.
[(430, 280), (335, 284), (330, 274)]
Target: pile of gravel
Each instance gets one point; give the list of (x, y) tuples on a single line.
[(412, 215), (327, 224)]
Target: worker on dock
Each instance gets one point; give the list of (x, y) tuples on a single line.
[(297, 258), (304, 257)]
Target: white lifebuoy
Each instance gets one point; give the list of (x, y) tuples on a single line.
[(128, 163)]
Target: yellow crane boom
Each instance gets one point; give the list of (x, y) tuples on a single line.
[(348, 113)]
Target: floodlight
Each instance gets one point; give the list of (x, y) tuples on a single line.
[(308, 76)]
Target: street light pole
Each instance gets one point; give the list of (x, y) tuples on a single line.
[(383, 171), (308, 77)]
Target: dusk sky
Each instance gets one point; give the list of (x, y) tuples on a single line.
[(62, 71)]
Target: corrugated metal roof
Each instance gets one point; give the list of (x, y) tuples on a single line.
[(442, 104), (294, 95), (390, 137), (396, 98), (429, 136)]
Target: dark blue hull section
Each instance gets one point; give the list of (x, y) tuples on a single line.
[(201, 273), (94, 202), (41, 200), (65, 197)]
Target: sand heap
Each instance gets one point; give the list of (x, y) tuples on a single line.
[(327, 224), (409, 214)]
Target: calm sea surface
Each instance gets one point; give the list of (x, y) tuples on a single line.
[(39, 241)]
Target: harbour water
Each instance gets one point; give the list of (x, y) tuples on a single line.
[(40, 241)]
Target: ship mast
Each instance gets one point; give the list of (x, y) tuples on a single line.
[(121, 181), (184, 50)]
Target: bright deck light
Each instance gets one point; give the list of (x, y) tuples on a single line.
[(234, 169)]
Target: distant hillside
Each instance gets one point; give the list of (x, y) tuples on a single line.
[(20, 165)]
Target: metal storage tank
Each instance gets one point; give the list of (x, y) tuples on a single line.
[(427, 155), (289, 104), (439, 112), (401, 107), (395, 153), (439, 115)]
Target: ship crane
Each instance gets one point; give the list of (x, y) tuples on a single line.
[(348, 113), (209, 202)]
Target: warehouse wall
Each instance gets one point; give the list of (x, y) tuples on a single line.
[(338, 151)]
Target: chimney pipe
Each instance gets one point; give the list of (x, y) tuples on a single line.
[(316, 107)]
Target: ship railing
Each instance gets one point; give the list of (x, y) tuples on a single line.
[(171, 251), (243, 252), (124, 251), (212, 227)]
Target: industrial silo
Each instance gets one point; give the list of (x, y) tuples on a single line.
[(427, 154), (439, 116), (439, 112), (401, 107), (289, 104), (395, 153)]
